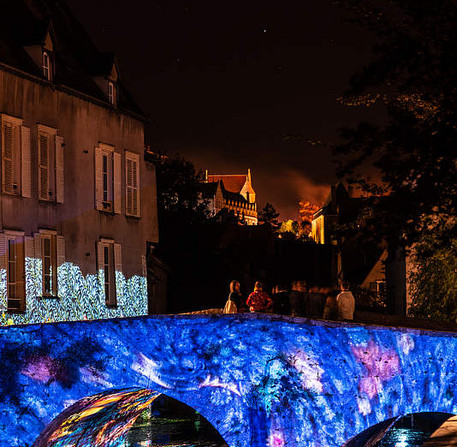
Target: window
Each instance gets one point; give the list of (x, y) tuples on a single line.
[(49, 265), (15, 273), (50, 250), (112, 94), (15, 145), (50, 164), (109, 261), (47, 66), (107, 179), (132, 194)]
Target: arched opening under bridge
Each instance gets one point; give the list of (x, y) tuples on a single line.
[(430, 429), (128, 417)]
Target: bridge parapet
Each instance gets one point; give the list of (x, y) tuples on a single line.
[(260, 380)]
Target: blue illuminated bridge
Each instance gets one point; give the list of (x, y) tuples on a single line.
[(259, 380)]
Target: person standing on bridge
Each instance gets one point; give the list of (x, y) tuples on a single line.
[(259, 301), (235, 302), (346, 303)]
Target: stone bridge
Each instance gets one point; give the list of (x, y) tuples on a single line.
[(259, 380)]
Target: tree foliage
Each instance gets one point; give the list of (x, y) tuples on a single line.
[(269, 215), (415, 149), (433, 279), (178, 190)]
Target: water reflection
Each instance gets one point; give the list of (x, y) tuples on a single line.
[(170, 423)]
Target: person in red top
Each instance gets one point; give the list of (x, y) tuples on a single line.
[(259, 301)]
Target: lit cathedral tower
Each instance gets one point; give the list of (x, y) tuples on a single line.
[(234, 193)]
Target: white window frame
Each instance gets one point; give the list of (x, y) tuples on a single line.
[(50, 240), (112, 93), (47, 65), (109, 262), (132, 184)]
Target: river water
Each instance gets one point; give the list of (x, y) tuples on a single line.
[(170, 423)]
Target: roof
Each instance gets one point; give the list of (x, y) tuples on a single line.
[(232, 183), (76, 58)]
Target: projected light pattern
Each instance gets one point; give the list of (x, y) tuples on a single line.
[(261, 381), (79, 297), (98, 421)]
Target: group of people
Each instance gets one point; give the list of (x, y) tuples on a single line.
[(340, 306)]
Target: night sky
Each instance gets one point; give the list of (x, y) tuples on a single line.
[(224, 82)]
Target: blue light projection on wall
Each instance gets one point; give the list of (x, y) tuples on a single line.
[(79, 297), (261, 381)]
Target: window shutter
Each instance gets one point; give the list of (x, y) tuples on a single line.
[(117, 180), (117, 267), (60, 251), (60, 183), (117, 258), (128, 183), (98, 180), (7, 158), (132, 183), (26, 180), (37, 244), (29, 247), (3, 251), (144, 266), (136, 194), (100, 267), (43, 174)]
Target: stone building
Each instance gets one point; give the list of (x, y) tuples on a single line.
[(233, 193), (77, 200)]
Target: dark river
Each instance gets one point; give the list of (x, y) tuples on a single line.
[(171, 423)]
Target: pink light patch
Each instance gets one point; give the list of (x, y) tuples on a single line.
[(381, 366), (41, 369)]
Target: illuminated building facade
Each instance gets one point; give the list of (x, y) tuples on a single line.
[(233, 193), (76, 196)]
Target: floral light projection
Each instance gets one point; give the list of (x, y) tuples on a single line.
[(261, 381), (80, 297)]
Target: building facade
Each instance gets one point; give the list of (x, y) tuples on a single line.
[(233, 193), (77, 201)]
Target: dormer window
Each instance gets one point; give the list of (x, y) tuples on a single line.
[(47, 68), (112, 97)]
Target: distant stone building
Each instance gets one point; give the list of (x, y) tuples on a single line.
[(232, 193), (77, 199)]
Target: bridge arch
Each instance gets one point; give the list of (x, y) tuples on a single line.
[(104, 419), (260, 380)]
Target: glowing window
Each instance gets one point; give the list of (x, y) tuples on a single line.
[(47, 69)]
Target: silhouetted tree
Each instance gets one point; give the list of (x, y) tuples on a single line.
[(268, 215), (415, 148)]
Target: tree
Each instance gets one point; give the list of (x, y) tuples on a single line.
[(178, 190), (433, 280), (415, 149), (268, 215)]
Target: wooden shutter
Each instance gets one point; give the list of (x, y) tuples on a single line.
[(3, 251), (43, 166), (60, 183), (29, 247), (132, 183), (117, 268), (136, 196), (60, 252), (26, 180), (128, 183), (144, 267), (100, 267), (7, 158), (98, 179), (117, 183), (37, 239)]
